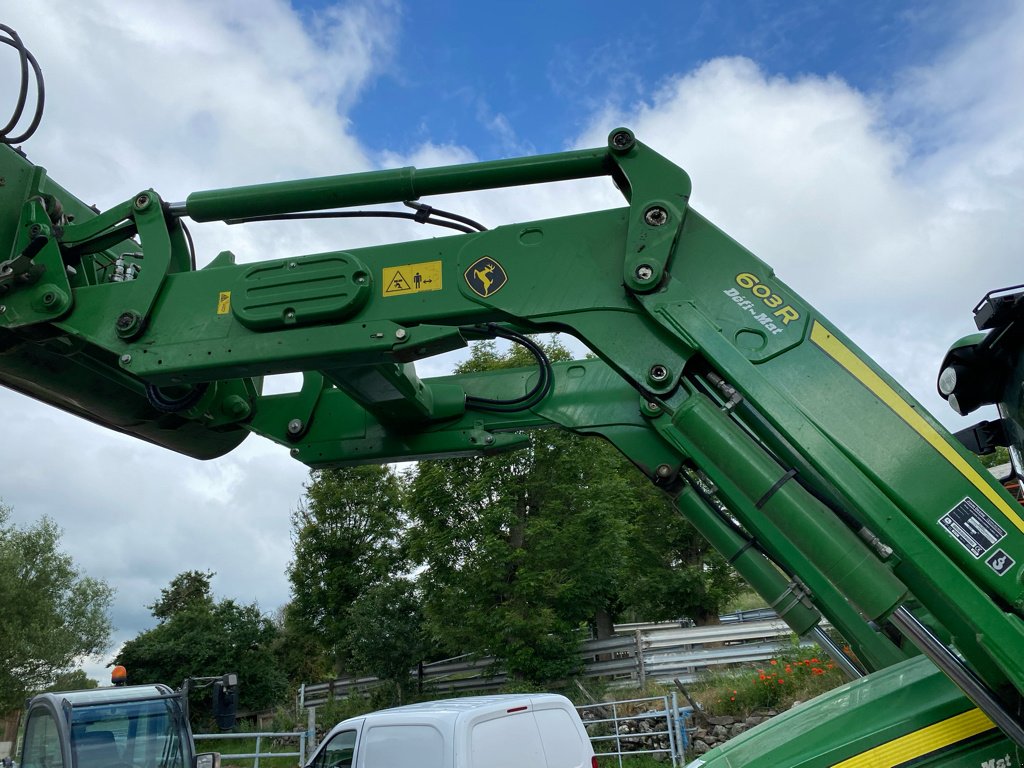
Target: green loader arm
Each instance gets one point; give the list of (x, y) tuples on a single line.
[(787, 447)]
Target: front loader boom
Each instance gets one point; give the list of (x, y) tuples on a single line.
[(787, 447)]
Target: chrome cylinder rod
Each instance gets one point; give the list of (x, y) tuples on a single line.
[(958, 672)]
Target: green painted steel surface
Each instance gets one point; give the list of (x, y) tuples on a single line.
[(706, 363), (910, 714), (387, 186), (782, 595)]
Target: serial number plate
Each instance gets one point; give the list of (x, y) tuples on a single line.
[(972, 527)]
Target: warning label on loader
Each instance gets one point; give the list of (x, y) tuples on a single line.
[(411, 278), (972, 527)]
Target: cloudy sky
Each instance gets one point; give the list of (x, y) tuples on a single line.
[(872, 152)]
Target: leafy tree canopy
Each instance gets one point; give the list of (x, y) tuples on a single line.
[(300, 654), (190, 589), (52, 613), (346, 536), (521, 550), (207, 637), (1000, 455), (76, 680), (386, 636)]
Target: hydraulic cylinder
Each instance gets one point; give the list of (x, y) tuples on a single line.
[(728, 454), (753, 566)]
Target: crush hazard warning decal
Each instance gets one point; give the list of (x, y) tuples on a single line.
[(972, 528), (411, 278), (485, 277)]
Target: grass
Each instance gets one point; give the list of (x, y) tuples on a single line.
[(229, 747), (748, 600), (636, 761)]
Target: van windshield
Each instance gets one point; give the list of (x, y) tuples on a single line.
[(134, 734)]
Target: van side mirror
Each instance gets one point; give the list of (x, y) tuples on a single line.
[(206, 760)]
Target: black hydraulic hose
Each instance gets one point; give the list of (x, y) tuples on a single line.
[(15, 42), (539, 390), (355, 215), (191, 244), (166, 404), (26, 59), (427, 211)]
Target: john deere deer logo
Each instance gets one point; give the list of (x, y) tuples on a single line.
[(485, 277)]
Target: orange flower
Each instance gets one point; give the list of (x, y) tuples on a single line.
[(773, 662), (817, 671), (789, 669), (814, 661), (732, 698), (781, 681), (763, 676)]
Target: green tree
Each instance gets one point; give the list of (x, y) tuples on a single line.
[(521, 550), (299, 653), (52, 613), (1000, 455), (386, 634), (673, 572), (206, 637), (190, 589), (76, 680), (346, 535)]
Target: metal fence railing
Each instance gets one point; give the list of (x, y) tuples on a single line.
[(640, 653), (299, 736), (649, 726)]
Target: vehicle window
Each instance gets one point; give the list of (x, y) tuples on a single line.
[(42, 742), (563, 745), (141, 734), (403, 746), (509, 741), (338, 752)]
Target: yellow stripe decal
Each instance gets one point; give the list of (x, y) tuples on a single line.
[(922, 742), (838, 351)]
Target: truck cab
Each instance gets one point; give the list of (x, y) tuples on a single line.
[(141, 726)]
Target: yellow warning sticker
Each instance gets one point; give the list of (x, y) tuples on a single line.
[(411, 278), (224, 303)]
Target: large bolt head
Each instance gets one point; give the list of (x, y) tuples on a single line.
[(656, 216)]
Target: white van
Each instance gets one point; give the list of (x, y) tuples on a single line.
[(511, 731)]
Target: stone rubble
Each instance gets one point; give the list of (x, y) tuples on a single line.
[(709, 732)]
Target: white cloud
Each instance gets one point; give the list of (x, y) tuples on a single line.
[(831, 187)]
